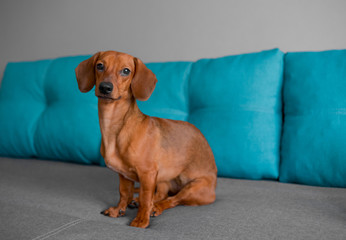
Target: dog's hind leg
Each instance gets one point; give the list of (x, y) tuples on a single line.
[(200, 191), (162, 190)]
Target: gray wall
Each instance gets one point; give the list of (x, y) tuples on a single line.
[(159, 30)]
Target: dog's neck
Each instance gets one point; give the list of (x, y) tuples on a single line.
[(114, 115)]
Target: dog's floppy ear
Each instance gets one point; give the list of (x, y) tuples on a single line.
[(143, 82), (85, 73)]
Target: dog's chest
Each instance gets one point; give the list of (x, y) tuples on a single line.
[(116, 155), (116, 163)]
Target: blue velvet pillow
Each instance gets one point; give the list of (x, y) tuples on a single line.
[(314, 132), (236, 102)]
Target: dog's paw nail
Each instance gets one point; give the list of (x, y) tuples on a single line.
[(121, 212), (133, 204), (105, 213)]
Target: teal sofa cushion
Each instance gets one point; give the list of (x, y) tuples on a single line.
[(314, 131), (22, 102), (236, 102), (44, 115), (68, 129), (170, 97)]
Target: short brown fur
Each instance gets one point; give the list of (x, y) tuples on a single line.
[(171, 160)]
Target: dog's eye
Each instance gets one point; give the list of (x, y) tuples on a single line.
[(100, 67), (125, 72)]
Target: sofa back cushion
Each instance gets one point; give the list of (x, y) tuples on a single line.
[(44, 115), (68, 127), (314, 131), (22, 102), (236, 102), (170, 97)]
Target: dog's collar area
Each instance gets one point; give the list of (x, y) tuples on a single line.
[(109, 98)]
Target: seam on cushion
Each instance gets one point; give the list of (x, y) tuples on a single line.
[(45, 107), (59, 229), (188, 90), (227, 109), (34, 126), (283, 114)]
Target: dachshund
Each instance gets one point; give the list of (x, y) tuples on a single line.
[(171, 159)]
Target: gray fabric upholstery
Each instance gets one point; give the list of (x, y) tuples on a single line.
[(55, 200)]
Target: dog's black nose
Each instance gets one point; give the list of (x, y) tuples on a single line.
[(106, 87)]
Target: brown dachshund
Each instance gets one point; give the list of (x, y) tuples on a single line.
[(171, 160)]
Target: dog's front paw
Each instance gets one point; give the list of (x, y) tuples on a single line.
[(140, 222), (113, 212)]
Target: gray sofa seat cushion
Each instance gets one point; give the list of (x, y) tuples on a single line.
[(55, 200)]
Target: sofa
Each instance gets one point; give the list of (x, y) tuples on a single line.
[(275, 121)]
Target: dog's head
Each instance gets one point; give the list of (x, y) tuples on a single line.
[(115, 76)]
